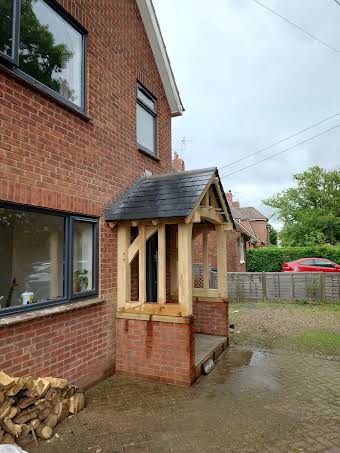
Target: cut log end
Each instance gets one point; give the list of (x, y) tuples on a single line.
[(44, 432)]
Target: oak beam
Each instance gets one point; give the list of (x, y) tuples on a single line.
[(211, 215), (133, 249)]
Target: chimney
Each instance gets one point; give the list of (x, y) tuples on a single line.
[(229, 196), (177, 163)]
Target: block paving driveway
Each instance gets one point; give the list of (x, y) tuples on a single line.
[(253, 401)]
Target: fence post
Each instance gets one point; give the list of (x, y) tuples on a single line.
[(264, 285), (293, 286), (322, 286)]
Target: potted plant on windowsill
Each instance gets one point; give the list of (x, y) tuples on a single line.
[(80, 280)]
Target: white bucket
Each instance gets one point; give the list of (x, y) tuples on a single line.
[(27, 297)]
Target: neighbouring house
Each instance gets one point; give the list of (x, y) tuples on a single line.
[(95, 227), (251, 231), (255, 223)]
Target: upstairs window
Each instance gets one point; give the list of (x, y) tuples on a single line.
[(146, 121), (9, 14), (42, 43)]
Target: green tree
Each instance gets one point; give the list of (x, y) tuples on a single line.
[(272, 236), (39, 55), (6, 26), (310, 211)]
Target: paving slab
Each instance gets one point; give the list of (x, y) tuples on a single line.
[(253, 401), (205, 344)]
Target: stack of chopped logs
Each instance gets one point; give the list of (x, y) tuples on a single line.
[(31, 408)]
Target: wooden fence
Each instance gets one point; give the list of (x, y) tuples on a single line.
[(278, 285), (284, 285)]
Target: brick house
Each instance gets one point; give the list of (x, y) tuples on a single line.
[(253, 221), (68, 147), (86, 100), (251, 231)]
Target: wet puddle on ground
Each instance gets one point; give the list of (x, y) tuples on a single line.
[(243, 370)]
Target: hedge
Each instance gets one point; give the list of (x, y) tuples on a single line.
[(270, 259)]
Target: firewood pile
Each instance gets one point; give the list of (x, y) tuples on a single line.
[(31, 408)]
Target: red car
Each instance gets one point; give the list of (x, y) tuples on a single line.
[(311, 265)]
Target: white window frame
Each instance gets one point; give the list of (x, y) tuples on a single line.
[(242, 250)]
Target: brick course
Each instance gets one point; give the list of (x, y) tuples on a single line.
[(161, 351), (52, 157), (211, 318), (72, 345), (233, 250)]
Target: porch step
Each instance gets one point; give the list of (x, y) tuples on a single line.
[(207, 347)]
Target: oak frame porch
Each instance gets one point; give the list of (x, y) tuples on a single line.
[(144, 327), (204, 218)]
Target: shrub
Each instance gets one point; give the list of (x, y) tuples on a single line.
[(270, 259)]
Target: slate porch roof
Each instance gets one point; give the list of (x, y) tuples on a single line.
[(173, 195)]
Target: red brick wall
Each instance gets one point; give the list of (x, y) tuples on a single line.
[(71, 344), (260, 229), (211, 318), (233, 251), (52, 157), (197, 249), (161, 351)]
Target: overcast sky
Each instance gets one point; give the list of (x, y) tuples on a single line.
[(248, 79)]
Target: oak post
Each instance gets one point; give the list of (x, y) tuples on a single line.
[(205, 260), (185, 268), (142, 263), (123, 267), (221, 260)]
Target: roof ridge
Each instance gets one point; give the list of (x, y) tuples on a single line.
[(186, 173)]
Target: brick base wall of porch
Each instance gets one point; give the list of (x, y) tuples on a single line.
[(162, 351), (211, 318)]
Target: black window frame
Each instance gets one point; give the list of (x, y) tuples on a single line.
[(153, 113), (14, 58), (95, 257), (12, 63), (69, 296)]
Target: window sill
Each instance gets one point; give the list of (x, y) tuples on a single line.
[(148, 153), (27, 80), (49, 311)]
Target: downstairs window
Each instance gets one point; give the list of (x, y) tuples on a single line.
[(45, 257)]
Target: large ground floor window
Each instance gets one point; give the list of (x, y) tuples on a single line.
[(45, 257)]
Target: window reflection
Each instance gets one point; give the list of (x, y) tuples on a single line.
[(50, 49), (82, 257), (31, 257), (6, 24)]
